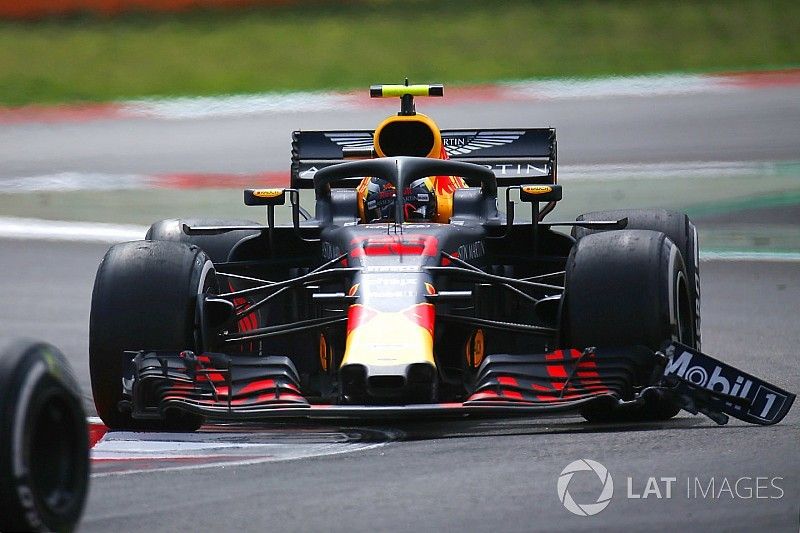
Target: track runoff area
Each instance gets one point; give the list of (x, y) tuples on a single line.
[(714, 193)]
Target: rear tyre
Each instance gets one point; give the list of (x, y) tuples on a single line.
[(625, 288), (44, 450), (145, 297), (218, 247), (676, 226)]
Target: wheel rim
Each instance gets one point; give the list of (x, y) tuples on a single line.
[(56, 442)]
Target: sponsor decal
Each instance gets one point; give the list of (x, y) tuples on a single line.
[(400, 287), (267, 193), (521, 169), (766, 401), (323, 353), (423, 314), (452, 143), (310, 171), (472, 250), (330, 251), (390, 269), (426, 245), (462, 144), (517, 169), (476, 349), (351, 139), (537, 189)]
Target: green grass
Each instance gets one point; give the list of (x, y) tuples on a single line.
[(357, 43)]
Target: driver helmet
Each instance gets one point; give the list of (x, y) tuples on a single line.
[(419, 201)]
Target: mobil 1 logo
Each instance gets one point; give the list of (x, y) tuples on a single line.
[(766, 403)]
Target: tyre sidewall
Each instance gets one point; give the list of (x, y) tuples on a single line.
[(35, 377), (614, 296), (145, 297), (625, 288), (677, 226)]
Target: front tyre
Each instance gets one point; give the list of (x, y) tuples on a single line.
[(145, 298), (627, 288), (674, 225), (44, 450), (217, 246)]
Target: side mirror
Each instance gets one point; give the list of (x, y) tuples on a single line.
[(540, 193), (268, 197)]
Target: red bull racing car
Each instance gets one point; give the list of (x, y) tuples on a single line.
[(414, 289)]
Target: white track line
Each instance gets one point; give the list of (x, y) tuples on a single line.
[(656, 85), (238, 105), (668, 170), (75, 181), (127, 448), (309, 453), (61, 230), (92, 181), (781, 257), (233, 105), (619, 86)]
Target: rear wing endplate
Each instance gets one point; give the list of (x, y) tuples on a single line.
[(517, 156)]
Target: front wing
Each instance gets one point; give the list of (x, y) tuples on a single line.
[(230, 387)]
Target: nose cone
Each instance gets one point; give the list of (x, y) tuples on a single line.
[(389, 355), (381, 385)]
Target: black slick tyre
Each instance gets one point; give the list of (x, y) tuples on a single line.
[(217, 246), (677, 226), (626, 288), (145, 297), (44, 451)]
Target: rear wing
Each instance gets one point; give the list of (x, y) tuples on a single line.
[(517, 156)]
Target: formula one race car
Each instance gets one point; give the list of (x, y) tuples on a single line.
[(408, 293)]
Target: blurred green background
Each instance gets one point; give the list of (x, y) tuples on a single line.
[(329, 45)]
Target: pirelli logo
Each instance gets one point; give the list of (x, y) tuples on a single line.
[(267, 193), (537, 189)]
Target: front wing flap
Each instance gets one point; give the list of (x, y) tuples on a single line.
[(231, 387), (701, 383)]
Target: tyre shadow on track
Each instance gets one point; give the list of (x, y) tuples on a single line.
[(480, 427)]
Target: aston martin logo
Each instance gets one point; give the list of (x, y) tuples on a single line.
[(351, 139), (460, 143), (463, 143)]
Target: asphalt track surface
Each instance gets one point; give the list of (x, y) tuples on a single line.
[(739, 126), (469, 476), (459, 475)]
